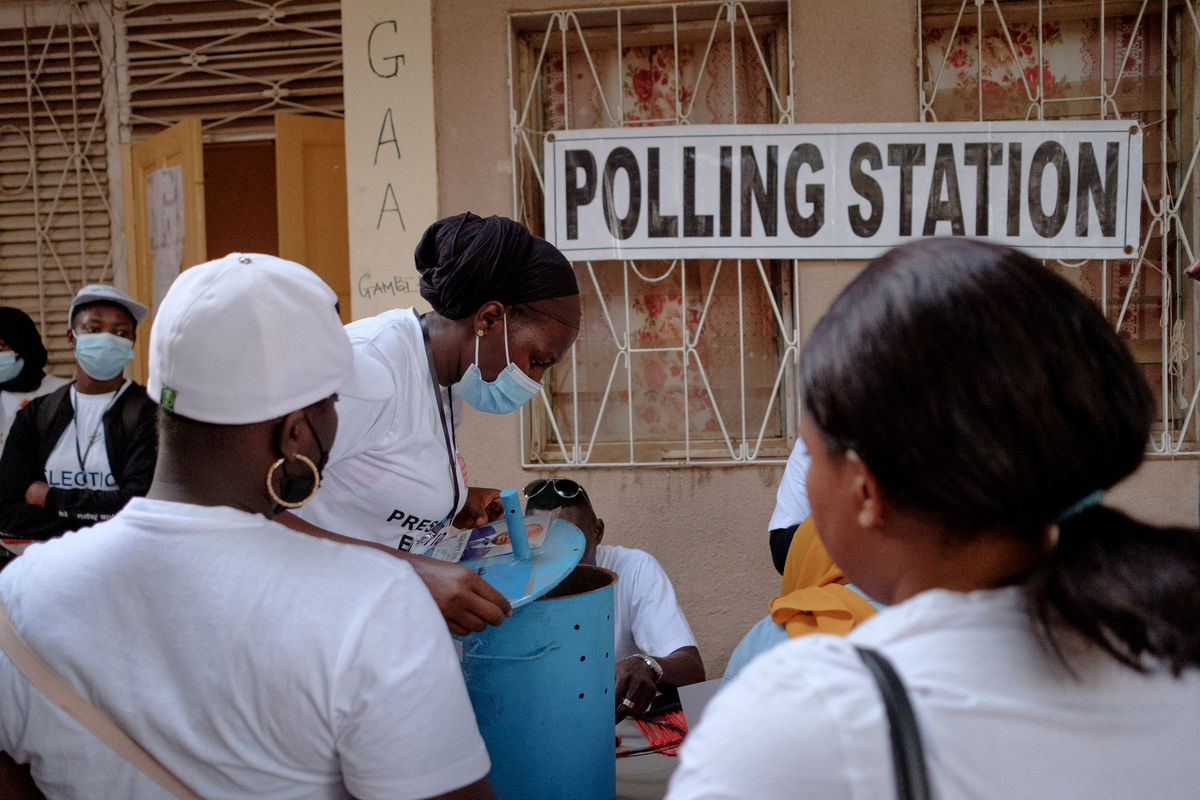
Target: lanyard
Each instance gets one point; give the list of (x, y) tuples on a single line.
[(451, 448), (83, 454)]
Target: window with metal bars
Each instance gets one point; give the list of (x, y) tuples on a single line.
[(1109, 59), (81, 77), (681, 361), (55, 158)]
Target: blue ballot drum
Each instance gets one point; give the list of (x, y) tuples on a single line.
[(542, 682)]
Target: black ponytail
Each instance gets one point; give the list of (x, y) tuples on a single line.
[(1126, 587)]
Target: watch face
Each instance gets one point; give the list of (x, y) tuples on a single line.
[(653, 664)]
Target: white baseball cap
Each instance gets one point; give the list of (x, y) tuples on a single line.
[(248, 338), (100, 293)]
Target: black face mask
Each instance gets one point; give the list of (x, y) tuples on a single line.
[(294, 490)]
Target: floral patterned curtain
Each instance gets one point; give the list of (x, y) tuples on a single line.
[(1001, 77), (656, 303)]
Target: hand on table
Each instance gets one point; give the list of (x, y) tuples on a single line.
[(482, 506), (467, 602)]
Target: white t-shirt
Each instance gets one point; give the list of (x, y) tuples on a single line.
[(999, 717), (251, 660), (646, 616), (791, 501), (388, 478), (12, 402), (80, 458)]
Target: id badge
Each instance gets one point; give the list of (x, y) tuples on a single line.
[(432, 538)]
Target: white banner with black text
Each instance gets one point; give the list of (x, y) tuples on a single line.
[(1064, 189)]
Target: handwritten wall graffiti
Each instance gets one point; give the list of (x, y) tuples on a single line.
[(391, 156)]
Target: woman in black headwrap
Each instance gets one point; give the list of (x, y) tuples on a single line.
[(505, 309), (22, 363)]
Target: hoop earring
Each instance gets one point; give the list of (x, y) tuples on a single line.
[(271, 488)]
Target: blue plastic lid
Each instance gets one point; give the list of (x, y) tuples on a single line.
[(523, 581)]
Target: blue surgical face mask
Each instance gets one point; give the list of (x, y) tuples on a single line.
[(511, 389), (10, 365), (102, 355)]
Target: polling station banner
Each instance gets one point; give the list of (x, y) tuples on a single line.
[(1064, 189)]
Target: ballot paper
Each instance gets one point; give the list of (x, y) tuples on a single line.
[(488, 541)]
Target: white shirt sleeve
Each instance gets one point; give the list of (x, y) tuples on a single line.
[(658, 626), (362, 424), (409, 730), (791, 501), (788, 727)]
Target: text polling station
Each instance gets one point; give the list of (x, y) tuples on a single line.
[(1062, 189)]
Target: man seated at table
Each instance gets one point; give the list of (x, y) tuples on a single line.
[(654, 646)]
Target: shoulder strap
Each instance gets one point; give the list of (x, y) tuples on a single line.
[(49, 683), (908, 757), (48, 406), (131, 408)]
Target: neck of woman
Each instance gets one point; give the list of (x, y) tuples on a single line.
[(924, 556), (215, 466), (446, 340)]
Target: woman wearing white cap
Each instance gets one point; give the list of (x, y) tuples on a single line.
[(251, 661), (75, 456), (505, 309)]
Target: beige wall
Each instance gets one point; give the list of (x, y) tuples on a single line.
[(708, 527)]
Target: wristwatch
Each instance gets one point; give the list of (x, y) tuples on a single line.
[(652, 663)]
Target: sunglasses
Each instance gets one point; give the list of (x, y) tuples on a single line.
[(565, 488)]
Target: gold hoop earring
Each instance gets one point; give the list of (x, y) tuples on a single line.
[(271, 488)]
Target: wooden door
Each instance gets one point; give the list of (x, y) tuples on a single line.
[(178, 146), (310, 180)]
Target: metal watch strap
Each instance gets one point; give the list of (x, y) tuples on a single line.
[(653, 664)]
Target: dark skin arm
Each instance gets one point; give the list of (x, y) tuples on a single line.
[(482, 506), (467, 602), (635, 678)]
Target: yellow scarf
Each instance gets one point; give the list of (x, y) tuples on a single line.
[(812, 596)]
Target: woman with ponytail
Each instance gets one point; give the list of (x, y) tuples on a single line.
[(966, 410)]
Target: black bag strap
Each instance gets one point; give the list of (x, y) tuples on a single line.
[(908, 757)]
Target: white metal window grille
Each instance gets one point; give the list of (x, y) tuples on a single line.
[(82, 76), (679, 362), (56, 106), (235, 63), (1109, 59)]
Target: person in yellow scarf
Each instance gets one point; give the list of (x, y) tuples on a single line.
[(814, 597)]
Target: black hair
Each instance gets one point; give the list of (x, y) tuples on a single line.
[(21, 334), (466, 260), (986, 392), (548, 500)]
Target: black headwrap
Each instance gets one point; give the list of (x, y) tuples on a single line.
[(467, 260), (18, 332)]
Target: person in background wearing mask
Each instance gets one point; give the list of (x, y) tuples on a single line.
[(22, 364), (505, 309), (75, 456)]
